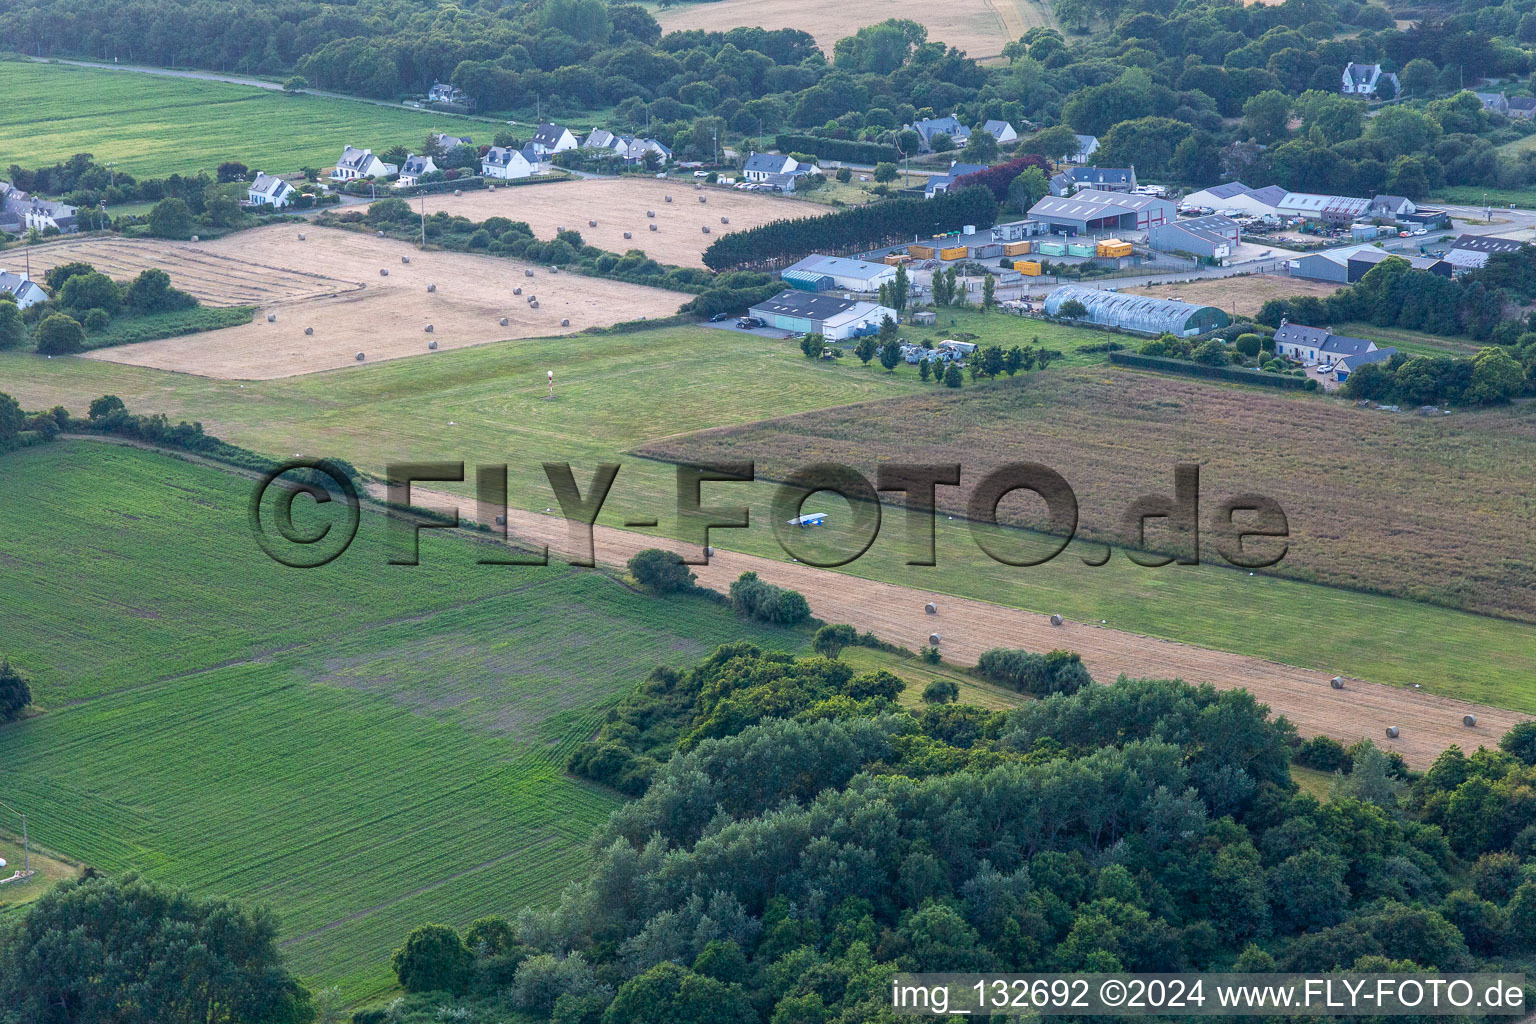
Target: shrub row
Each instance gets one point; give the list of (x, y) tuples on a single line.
[(1038, 674), (1227, 373), (838, 149), (755, 599)]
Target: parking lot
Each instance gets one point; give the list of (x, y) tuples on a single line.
[(762, 332)]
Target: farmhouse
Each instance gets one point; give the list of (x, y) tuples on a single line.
[(834, 318), (1367, 80), (269, 190), (933, 127), (1102, 179), (442, 92), (776, 169), (46, 214), (1392, 207), (360, 163), (1213, 237), (1523, 107), (1470, 252), (23, 289), (503, 162), (941, 182), (1087, 145), (1094, 212), (412, 170), (551, 139), (1494, 102), (448, 143), (1314, 345), (1139, 313), (822, 273)]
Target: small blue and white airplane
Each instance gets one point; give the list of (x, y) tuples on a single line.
[(816, 519)]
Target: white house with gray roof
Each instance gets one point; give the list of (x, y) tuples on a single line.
[(1366, 80), (25, 290), (1318, 345), (269, 190), (932, 127), (1002, 131), (360, 163), (414, 167), (551, 139), (505, 163), (47, 214)]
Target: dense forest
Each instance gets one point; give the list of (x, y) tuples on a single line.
[(799, 836), (1197, 91)]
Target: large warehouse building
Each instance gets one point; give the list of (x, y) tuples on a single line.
[(834, 318), (1140, 313), (825, 273), (1214, 237), (1099, 213)]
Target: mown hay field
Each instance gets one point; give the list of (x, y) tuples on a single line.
[(979, 27), (153, 126), (332, 282), (364, 747), (620, 204)]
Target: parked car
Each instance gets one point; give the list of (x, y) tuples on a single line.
[(1421, 231), (720, 317), (701, 174), (747, 323)]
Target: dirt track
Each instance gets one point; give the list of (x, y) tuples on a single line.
[(1428, 723)]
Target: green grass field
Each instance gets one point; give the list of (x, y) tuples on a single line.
[(1413, 343), (1473, 195), (364, 747), (152, 126)]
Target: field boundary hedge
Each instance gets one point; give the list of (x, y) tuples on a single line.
[(837, 149), (1226, 373)]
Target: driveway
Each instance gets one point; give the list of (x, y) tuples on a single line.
[(762, 332)]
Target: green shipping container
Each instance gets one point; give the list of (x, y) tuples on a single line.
[(1077, 249), (1051, 249)]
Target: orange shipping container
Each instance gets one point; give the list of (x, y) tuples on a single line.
[(1016, 248), (922, 252), (1029, 268), (896, 259), (957, 252)]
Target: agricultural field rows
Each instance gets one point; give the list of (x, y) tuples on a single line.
[(360, 746), (151, 126)]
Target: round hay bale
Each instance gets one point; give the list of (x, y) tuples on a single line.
[(528, 273), (517, 291), (591, 223), (1055, 620), (653, 227), (532, 299), (405, 259), (703, 199), (933, 639), (669, 199), (554, 270), (565, 323), (708, 550), (628, 235), (560, 228), (1337, 682), (931, 608), (650, 213), (194, 238), (271, 318), (381, 234), (534, 303), (706, 229), (359, 357), (429, 328), (301, 236), (503, 321), (1469, 720), (458, 192), (432, 346), (431, 287), (1392, 732), (383, 272), (725, 220), (308, 331), (501, 520)]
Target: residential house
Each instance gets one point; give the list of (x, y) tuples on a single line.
[(928, 129), (1093, 212), (1392, 207), (1523, 107), (1494, 102), (360, 163), (628, 147), (26, 292), (1087, 145), (12, 199), (760, 165), (941, 182), (504, 162), (1102, 179), (1214, 237), (414, 167), (448, 143), (831, 316), (442, 92), (1318, 345), (1367, 80), (1002, 131), (551, 139), (46, 214), (1471, 252), (269, 190)]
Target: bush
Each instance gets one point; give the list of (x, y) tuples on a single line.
[(1325, 754), (12, 328), (433, 959), (755, 599), (844, 175), (1038, 674), (830, 640), (96, 321), (941, 691), (15, 693), (1248, 345), (59, 335), (171, 218), (661, 571), (91, 291)]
